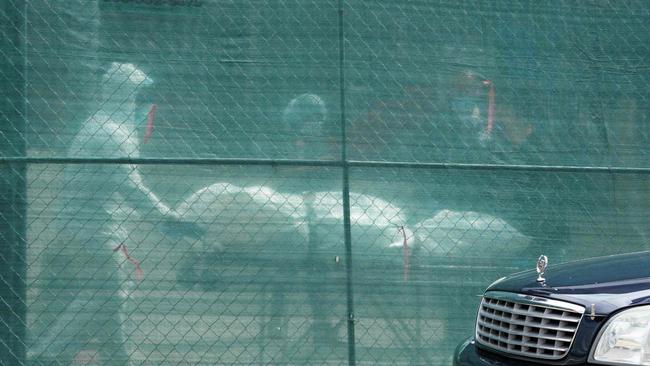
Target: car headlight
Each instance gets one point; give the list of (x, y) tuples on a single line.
[(625, 339)]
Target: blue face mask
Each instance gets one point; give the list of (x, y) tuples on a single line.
[(469, 112), (473, 115), (144, 101), (141, 113)]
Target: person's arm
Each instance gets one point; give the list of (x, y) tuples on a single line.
[(147, 203), (143, 199)]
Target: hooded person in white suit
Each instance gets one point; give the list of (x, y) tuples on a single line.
[(99, 203)]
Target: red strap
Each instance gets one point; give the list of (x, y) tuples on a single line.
[(125, 251), (150, 118), (491, 107), (406, 255)]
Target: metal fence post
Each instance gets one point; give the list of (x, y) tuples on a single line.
[(12, 185), (346, 195)]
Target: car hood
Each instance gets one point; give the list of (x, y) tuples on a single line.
[(609, 283)]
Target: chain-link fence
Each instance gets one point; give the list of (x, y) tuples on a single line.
[(304, 181)]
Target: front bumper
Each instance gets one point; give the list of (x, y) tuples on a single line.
[(467, 354)]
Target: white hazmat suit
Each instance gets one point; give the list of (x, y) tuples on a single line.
[(98, 202)]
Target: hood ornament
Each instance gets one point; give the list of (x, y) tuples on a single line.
[(542, 263)]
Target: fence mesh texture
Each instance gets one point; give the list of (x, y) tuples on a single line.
[(304, 181)]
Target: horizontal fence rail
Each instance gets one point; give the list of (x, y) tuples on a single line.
[(326, 163)]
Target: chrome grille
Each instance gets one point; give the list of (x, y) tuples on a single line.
[(527, 326)]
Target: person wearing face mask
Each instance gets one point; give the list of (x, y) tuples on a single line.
[(473, 103), (505, 120), (99, 202), (304, 120)]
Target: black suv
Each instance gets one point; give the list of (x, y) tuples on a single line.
[(589, 312)]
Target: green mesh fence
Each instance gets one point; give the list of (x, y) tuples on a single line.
[(304, 181)]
